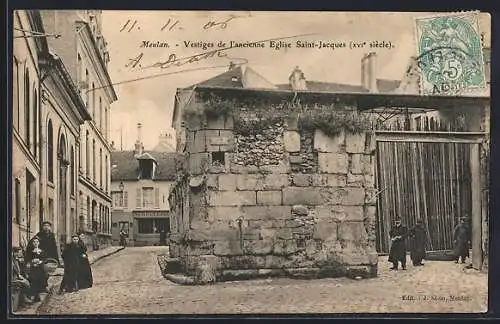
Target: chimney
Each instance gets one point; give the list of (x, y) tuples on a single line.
[(297, 80), (139, 147), (164, 137), (369, 72), (231, 66)]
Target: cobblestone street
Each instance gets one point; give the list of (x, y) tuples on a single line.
[(130, 282)]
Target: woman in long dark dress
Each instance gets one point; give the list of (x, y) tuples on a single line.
[(397, 253), (418, 240), (85, 279), (35, 258), (461, 237), (71, 258)]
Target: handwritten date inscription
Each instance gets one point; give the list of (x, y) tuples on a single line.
[(173, 24)]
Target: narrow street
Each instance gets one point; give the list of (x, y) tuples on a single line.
[(130, 282)]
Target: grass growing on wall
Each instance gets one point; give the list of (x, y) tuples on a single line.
[(333, 122), (211, 107), (328, 119)]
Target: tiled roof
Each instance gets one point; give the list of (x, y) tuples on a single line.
[(146, 156), (164, 147), (230, 79), (237, 77), (386, 86), (327, 87), (124, 165)]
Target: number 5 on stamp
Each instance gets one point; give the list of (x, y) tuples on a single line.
[(450, 54)]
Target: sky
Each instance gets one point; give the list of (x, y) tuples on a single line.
[(149, 99)]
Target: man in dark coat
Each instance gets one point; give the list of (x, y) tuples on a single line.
[(48, 241), (418, 240), (461, 241), (397, 253)]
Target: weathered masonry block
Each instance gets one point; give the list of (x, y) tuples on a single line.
[(270, 198)]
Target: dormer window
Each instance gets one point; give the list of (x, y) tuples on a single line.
[(147, 167)]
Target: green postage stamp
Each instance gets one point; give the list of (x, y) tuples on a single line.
[(450, 54)]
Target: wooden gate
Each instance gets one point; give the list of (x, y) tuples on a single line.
[(421, 180)]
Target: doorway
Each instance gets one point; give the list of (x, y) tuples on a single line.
[(435, 178), (62, 167)]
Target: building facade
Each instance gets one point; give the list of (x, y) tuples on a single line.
[(26, 155), (62, 114), (82, 48), (53, 113), (140, 186)]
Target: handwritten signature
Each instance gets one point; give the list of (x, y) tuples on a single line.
[(172, 60)]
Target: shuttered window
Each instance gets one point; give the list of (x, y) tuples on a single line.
[(138, 198), (125, 199), (15, 94), (157, 197), (148, 197)]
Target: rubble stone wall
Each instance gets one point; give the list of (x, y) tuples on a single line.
[(281, 202)]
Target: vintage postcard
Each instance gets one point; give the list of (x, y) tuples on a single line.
[(218, 162)]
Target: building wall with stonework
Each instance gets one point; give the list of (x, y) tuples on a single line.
[(276, 199)]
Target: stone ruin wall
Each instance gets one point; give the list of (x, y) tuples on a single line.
[(283, 202)]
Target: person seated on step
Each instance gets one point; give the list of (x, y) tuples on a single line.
[(20, 284)]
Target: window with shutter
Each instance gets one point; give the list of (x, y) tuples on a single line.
[(125, 199), (15, 94), (157, 197), (148, 197), (138, 197)]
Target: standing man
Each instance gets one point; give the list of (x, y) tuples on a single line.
[(418, 240), (461, 241), (47, 244), (123, 235), (397, 254), (48, 241)]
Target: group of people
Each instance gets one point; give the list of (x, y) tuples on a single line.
[(418, 240), (31, 268)]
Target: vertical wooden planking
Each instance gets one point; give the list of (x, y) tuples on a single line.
[(422, 161), (430, 181), (475, 169)]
